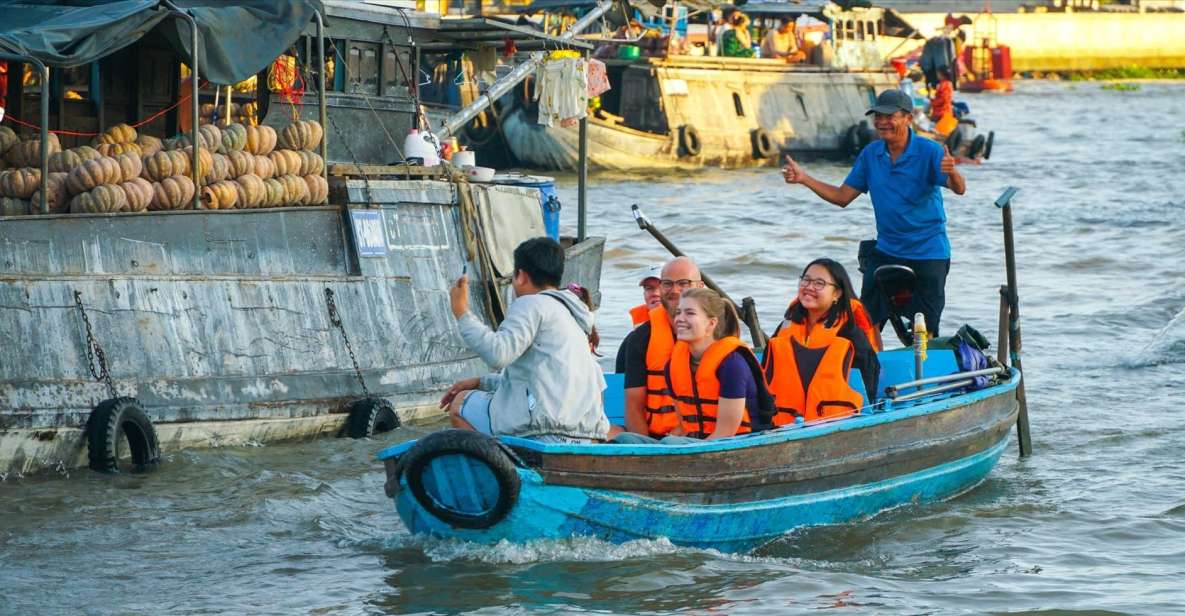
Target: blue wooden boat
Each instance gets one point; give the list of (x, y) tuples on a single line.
[(732, 494)]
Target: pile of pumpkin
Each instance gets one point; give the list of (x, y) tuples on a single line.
[(240, 167), (244, 114)]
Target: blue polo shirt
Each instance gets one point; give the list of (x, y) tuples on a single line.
[(906, 197)]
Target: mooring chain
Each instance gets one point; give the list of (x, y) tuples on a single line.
[(93, 350), (336, 320)]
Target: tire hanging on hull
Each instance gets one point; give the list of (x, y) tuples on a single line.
[(689, 141), (370, 416), (109, 420)]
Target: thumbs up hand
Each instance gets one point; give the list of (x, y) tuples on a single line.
[(792, 173), (948, 161)]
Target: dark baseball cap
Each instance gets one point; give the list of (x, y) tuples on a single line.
[(890, 101)]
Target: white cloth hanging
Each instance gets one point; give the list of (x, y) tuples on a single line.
[(561, 88)]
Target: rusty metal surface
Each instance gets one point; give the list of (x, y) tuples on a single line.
[(221, 316)]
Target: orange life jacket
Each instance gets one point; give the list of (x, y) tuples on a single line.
[(639, 314), (698, 398), (862, 319), (827, 394), (661, 417)]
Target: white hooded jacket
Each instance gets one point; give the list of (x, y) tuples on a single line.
[(548, 382)]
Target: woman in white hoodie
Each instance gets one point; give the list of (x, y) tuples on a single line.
[(548, 385)]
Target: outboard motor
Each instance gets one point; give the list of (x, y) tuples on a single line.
[(897, 283)]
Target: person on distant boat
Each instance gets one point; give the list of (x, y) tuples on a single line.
[(903, 173), (736, 42), (714, 379), (942, 110), (649, 409), (782, 43), (651, 299), (812, 352), (548, 386)]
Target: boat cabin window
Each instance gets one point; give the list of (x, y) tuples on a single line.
[(362, 68), (736, 102)]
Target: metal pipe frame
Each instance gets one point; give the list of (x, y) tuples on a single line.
[(43, 207), (892, 390), (322, 111), (934, 390), (195, 162)]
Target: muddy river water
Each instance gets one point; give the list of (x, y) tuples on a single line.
[(1094, 522)]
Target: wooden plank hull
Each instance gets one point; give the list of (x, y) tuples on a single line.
[(739, 493)]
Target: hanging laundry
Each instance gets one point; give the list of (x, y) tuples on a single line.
[(561, 88), (598, 78)]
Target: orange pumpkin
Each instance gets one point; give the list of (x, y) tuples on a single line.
[(120, 133), (301, 135), (130, 166), (19, 183), (115, 149), (318, 189), (222, 195), (296, 191), (67, 160), (274, 193), (219, 169), (92, 173), (149, 145), (28, 153), (251, 191), (165, 163), (234, 137), (264, 167), (57, 198), (241, 163), (310, 163), (138, 193), (287, 162), (260, 139), (100, 199), (8, 139), (172, 193)]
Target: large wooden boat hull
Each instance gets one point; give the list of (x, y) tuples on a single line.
[(802, 110), (217, 322), (739, 493)]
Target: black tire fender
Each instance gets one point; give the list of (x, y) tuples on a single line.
[(689, 141), (987, 148), (851, 140), (977, 146), (107, 420), (370, 416), (954, 140), (484, 449), (763, 145)]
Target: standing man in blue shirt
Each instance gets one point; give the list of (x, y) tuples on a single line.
[(903, 173)]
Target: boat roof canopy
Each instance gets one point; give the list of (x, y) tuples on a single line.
[(237, 39), (895, 24)]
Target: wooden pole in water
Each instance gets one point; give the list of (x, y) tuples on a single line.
[(1014, 342)]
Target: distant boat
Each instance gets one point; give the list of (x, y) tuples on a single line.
[(731, 494)]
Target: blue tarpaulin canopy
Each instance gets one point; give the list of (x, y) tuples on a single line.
[(236, 39)]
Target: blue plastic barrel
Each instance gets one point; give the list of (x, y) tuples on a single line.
[(549, 201)]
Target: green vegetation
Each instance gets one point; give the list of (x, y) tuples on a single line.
[(1122, 87), (1129, 72)]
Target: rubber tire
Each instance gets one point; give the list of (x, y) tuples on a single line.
[(954, 140), (370, 416), (103, 428), (763, 145), (689, 141), (976, 147), (987, 148), (415, 462), (851, 141)]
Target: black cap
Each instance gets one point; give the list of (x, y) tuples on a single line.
[(890, 101)]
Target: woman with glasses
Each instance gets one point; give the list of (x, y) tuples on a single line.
[(810, 356)]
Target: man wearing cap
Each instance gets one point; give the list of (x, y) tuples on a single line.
[(902, 173), (651, 299)]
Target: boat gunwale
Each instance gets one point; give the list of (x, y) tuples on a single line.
[(769, 437)]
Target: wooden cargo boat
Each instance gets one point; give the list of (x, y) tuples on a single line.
[(732, 494), (128, 334)]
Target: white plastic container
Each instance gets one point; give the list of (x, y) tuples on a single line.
[(418, 145)]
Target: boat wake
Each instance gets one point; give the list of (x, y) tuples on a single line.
[(578, 549), (1167, 347)]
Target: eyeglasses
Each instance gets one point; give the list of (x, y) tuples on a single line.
[(817, 284), (685, 283)]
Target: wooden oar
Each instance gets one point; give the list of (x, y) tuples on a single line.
[(747, 308), (1004, 202)]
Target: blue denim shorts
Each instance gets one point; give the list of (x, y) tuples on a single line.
[(476, 410)]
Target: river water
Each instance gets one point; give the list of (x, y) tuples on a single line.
[(1094, 522)]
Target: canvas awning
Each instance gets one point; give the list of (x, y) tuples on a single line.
[(237, 39)]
